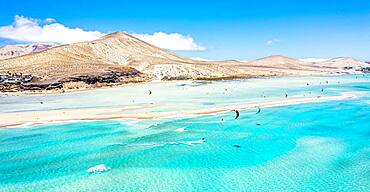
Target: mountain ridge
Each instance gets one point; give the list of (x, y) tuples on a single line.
[(10, 51), (122, 58)]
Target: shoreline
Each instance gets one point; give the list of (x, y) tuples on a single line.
[(84, 89), (15, 119)]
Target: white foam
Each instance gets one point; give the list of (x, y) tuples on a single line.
[(205, 122), (181, 129), (189, 143), (98, 169), (192, 142), (129, 122)]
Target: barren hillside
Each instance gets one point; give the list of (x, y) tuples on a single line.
[(10, 51), (119, 58), (341, 62)]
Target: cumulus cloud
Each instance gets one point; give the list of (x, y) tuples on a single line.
[(48, 30), (50, 20), (33, 30), (171, 41), (273, 41)]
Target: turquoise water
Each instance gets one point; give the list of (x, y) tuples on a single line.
[(308, 147)]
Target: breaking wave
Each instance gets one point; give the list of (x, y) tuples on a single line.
[(98, 169)]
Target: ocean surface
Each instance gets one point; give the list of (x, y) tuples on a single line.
[(307, 147)]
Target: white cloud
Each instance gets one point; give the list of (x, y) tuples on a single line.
[(273, 41), (200, 59), (315, 60), (50, 20), (171, 41), (32, 30), (48, 30)]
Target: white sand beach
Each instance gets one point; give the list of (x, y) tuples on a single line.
[(14, 119)]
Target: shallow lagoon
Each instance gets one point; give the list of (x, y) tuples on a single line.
[(308, 147)]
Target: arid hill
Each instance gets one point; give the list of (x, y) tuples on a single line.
[(341, 62), (278, 65), (10, 51), (119, 58), (118, 50)]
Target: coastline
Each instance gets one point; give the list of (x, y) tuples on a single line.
[(15, 119), (107, 86)]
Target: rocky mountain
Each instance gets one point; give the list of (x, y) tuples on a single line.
[(10, 51), (341, 62), (119, 58), (278, 65), (277, 61)]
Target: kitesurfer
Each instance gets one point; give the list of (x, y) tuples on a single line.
[(237, 113)]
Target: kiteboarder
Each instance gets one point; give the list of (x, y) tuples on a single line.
[(259, 110), (237, 113)]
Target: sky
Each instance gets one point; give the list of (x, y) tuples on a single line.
[(218, 30)]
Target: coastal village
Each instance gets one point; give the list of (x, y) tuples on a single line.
[(15, 78), (359, 68), (19, 78)]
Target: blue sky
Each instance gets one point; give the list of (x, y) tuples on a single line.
[(226, 29)]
